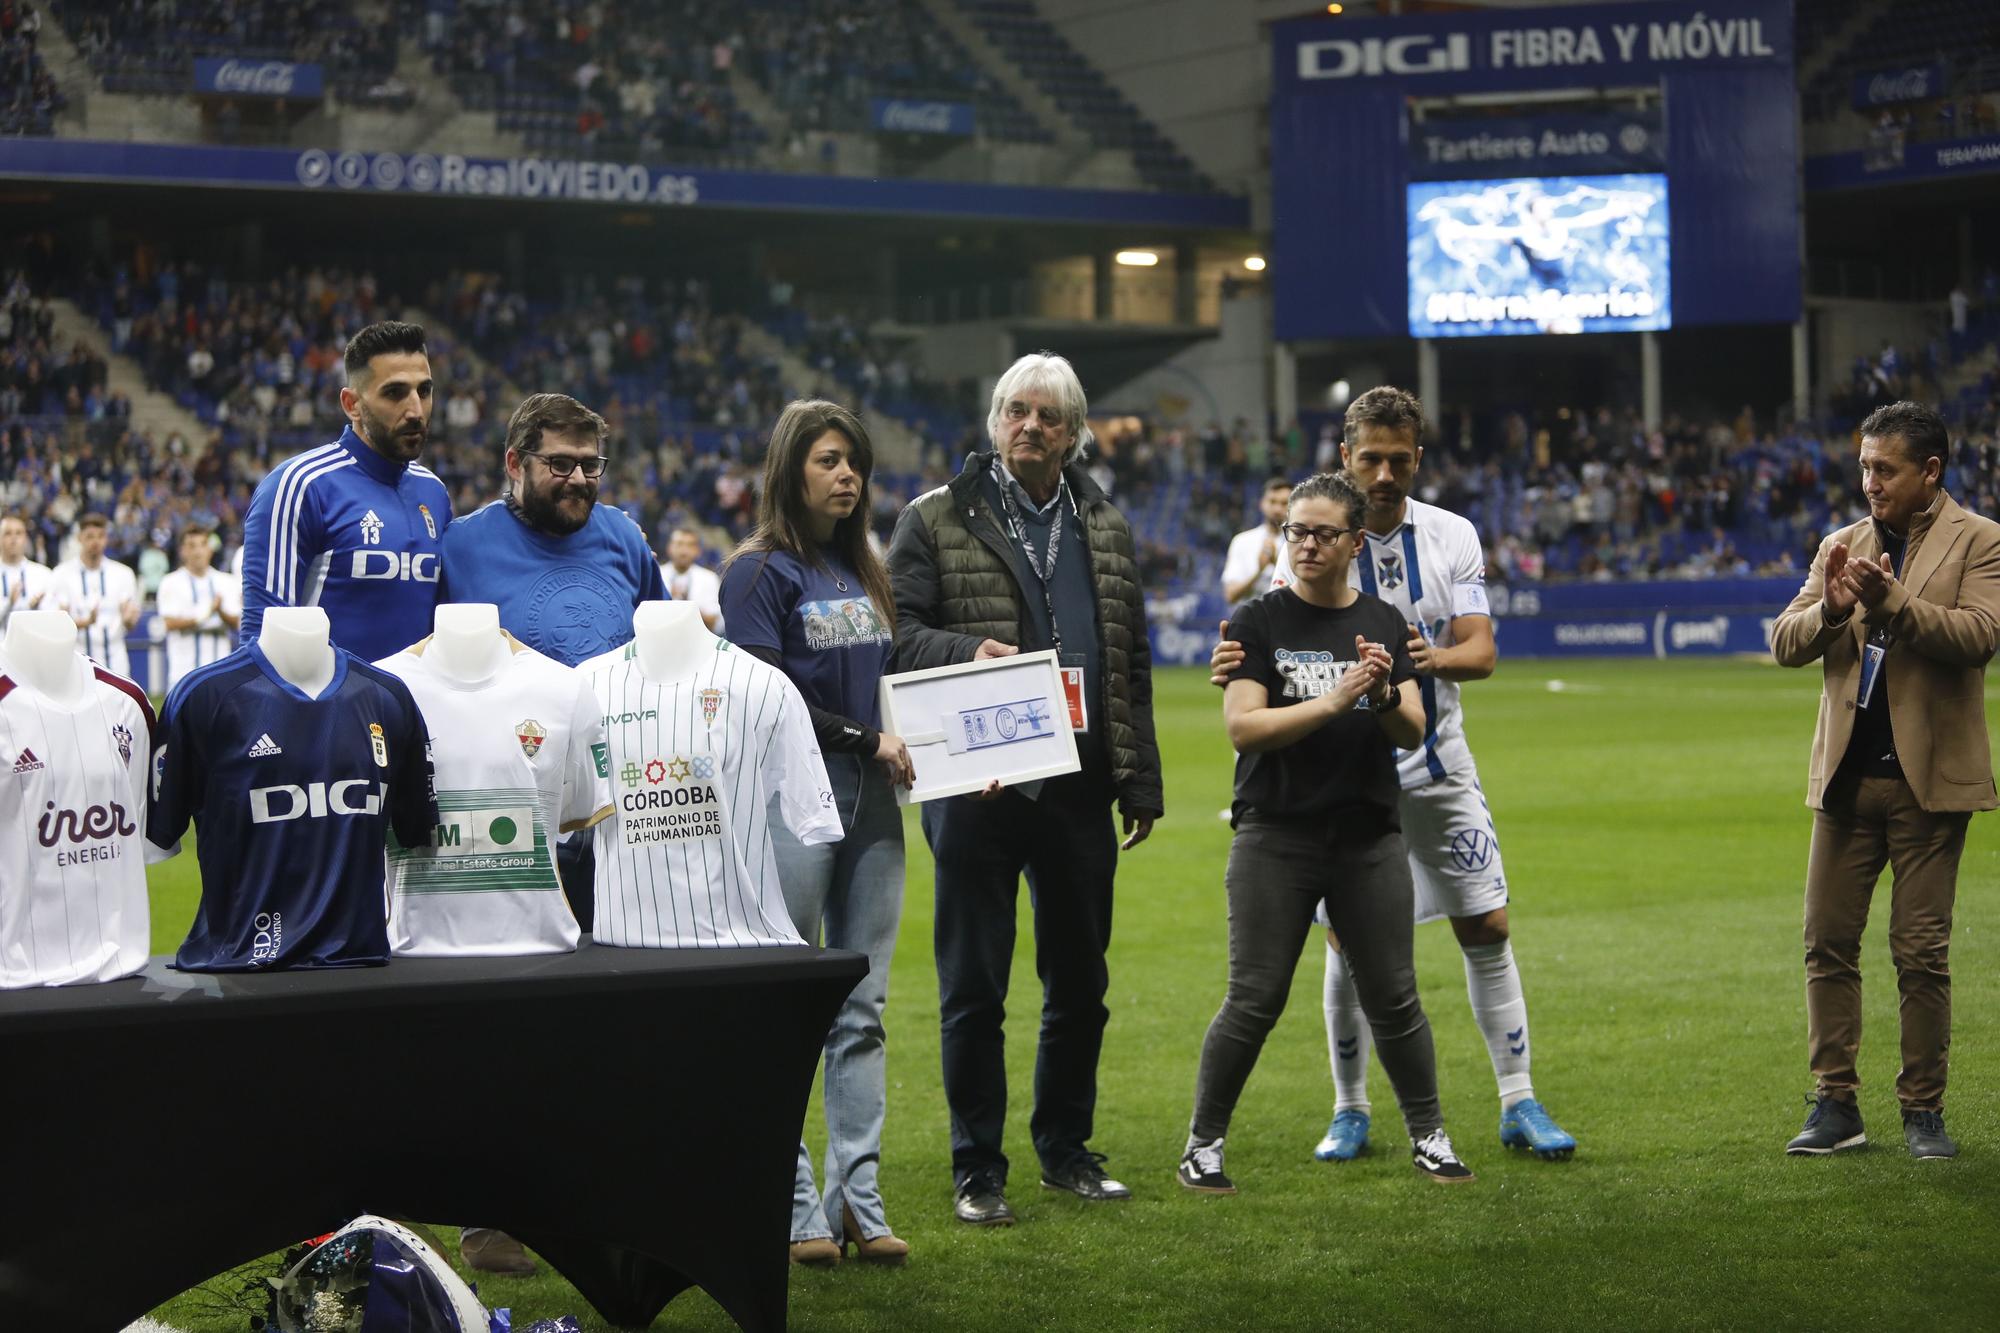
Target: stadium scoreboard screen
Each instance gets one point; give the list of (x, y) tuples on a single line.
[(1562, 254), (1657, 188)]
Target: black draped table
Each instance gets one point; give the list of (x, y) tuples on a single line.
[(633, 1115)]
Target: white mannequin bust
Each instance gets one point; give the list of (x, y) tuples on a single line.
[(466, 641), (295, 639), (41, 654), (671, 637)]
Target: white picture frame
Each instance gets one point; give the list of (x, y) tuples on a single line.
[(972, 722)]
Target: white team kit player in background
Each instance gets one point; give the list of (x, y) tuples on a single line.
[(200, 605), (699, 735), (23, 582), (76, 746), (689, 582), (101, 595), (518, 760), (1429, 564)]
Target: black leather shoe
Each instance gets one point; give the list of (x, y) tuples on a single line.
[(1832, 1126), (982, 1202), (1084, 1177), (1924, 1132)]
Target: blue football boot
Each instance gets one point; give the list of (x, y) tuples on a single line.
[(1346, 1138), (1526, 1125)]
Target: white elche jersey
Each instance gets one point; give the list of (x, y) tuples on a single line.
[(183, 595), (100, 595), (1432, 568), (72, 815), (685, 860), (518, 760)]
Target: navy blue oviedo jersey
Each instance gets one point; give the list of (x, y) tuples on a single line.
[(292, 800)]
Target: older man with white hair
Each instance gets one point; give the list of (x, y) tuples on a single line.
[(1023, 552)]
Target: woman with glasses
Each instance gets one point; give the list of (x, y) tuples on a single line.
[(1315, 712), (806, 593)]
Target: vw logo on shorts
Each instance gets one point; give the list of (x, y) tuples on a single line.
[(1472, 849)]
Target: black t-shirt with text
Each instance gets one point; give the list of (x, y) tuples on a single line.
[(1346, 770)]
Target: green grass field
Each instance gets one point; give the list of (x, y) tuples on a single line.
[(1652, 820)]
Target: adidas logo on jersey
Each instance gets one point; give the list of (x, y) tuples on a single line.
[(27, 763), (264, 747)]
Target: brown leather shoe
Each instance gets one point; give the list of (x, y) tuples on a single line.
[(884, 1249), (485, 1250), (819, 1252)]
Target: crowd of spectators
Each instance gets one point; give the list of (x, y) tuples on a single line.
[(29, 98), (650, 83), (688, 391)]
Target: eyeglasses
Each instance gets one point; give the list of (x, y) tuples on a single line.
[(561, 467), (1296, 534)]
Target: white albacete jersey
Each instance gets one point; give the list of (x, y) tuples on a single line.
[(1431, 569), (518, 760), (100, 593), (685, 860), (72, 811), (182, 595)]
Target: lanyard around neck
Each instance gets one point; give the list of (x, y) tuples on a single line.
[(1045, 571)]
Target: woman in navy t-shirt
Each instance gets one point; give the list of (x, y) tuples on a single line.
[(807, 594)]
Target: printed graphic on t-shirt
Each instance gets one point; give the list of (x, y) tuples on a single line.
[(1310, 673), (668, 798), (846, 623), (485, 839)]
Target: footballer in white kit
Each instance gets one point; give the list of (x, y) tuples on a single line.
[(201, 606), (101, 595), (685, 860), (518, 760), (23, 582), (73, 904), (1430, 565)]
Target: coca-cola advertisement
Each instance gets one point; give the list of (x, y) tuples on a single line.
[(234, 76), (908, 115), (1891, 87)]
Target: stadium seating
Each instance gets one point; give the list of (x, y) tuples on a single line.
[(1962, 35), (1034, 45), (151, 49), (29, 97)]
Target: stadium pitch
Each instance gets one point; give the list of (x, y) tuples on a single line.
[(1653, 823)]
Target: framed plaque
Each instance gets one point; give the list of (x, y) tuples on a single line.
[(967, 724)]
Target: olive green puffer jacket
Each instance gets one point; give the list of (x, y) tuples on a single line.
[(956, 586)]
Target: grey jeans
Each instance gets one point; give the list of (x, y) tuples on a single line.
[(1278, 872)]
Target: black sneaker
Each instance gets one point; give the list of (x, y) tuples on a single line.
[(1924, 1132), (1201, 1168), (1433, 1156), (1831, 1125), (1085, 1178), (982, 1202)]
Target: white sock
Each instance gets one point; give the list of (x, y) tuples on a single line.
[(1493, 984), (1347, 1037)]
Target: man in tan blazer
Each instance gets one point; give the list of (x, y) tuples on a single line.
[(1903, 611)]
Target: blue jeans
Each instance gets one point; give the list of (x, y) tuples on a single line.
[(849, 895)]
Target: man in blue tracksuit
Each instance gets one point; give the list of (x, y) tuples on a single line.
[(356, 527)]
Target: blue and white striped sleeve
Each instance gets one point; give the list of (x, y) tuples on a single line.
[(281, 537)]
